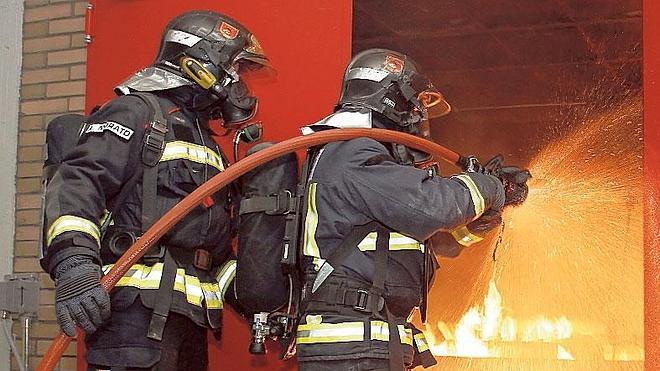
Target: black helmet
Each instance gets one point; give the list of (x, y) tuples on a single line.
[(206, 50), (390, 83)]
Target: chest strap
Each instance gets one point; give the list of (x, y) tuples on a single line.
[(152, 150)]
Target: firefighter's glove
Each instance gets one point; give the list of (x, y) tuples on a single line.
[(79, 298), (514, 180)]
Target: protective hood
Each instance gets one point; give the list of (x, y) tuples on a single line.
[(151, 79), (344, 119), (363, 119)]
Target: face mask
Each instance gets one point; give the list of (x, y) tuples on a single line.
[(238, 107)]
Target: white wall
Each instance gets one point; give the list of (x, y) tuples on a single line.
[(11, 35)]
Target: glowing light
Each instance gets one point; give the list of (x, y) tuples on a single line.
[(568, 281)]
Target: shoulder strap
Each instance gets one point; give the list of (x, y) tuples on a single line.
[(152, 151)]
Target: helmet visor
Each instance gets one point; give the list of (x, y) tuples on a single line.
[(253, 57), (435, 103)]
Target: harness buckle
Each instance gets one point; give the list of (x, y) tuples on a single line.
[(362, 300), (154, 141), (283, 204), (202, 259), (159, 126)]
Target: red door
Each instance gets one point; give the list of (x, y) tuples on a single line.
[(309, 43)]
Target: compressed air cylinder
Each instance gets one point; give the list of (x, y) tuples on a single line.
[(261, 284)]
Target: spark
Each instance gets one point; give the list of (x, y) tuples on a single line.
[(570, 264)]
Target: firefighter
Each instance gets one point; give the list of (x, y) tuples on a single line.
[(137, 157), (369, 211)]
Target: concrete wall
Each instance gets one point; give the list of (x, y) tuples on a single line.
[(11, 19), (52, 83)]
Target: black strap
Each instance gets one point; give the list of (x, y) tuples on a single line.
[(428, 270), (276, 204), (343, 295), (152, 151), (150, 156), (332, 296), (163, 298), (379, 276)]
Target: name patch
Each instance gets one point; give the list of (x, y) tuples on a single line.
[(111, 126)]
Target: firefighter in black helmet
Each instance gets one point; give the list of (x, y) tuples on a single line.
[(137, 157), (369, 213)]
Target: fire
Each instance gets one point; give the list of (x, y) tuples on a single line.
[(567, 284), (482, 330)]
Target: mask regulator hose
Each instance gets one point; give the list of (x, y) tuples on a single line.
[(180, 210)]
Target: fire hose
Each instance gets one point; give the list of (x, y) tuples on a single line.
[(180, 210)]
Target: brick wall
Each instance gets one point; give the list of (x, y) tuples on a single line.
[(53, 83)]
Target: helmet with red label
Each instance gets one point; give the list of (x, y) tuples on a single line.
[(389, 83), (209, 52)]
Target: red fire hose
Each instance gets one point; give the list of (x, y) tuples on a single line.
[(180, 210)]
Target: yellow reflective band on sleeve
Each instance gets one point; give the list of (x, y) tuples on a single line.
[(397, 242), (310, 248), (380, 331), (475, 194), (71, 223), (193, 152), (330, 332), (406, 335), (463, 236), (421, 343), (197, 293), (226, 274)]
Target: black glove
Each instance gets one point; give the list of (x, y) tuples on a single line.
[(515, 184), (513, 178), (79, 298)]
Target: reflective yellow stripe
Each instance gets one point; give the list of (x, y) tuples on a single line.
[(406, 335), (475, 194), (193, 152), (310, 248), (421, 343), (380, 331), (463, 236), (145, 277), (314, 331), (397, 242), (330, 332), (226, 274), (71, 223)]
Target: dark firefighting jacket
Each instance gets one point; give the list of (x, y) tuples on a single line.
[(356, 183), (106, 161)]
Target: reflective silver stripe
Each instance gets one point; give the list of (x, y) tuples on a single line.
[(71, 223), (421, 343), (380, 331), (226, 274), (397, 242), (475, 194), (365, 73), (182, 37), (463, 236), (197, 293), (330, 332), (193, 152)]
